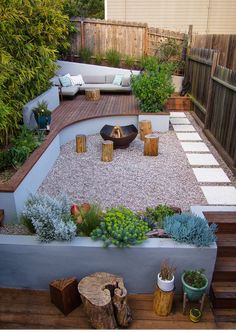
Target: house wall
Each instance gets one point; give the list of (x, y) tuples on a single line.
[(206, 16)]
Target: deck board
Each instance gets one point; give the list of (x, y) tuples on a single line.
[(29, 309)]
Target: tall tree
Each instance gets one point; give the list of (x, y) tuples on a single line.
[(85, 8)]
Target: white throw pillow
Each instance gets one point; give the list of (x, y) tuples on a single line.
[(77, 80)]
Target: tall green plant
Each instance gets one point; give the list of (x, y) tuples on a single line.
[(113, 58), (30, 33)]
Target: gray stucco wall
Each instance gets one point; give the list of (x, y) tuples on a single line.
[(27, 263)]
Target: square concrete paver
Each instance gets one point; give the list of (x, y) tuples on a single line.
[(194, 147), (201, 159), (210, 175), (188, 136), (183, 128), (224, 195), (177, 115), (179, 121)]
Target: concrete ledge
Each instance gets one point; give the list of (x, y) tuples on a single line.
[(27, 263), (160, 121)]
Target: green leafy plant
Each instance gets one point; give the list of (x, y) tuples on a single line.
[(82, 8), (41, 110), (113, 58), (85, 55), (121, 227), (155, 216), (28, 224), (91, 219), (8, 123), (167, 271), (191, 229), (98, 58), (153, 87), (149, 63), (129, 61), (195, 278)]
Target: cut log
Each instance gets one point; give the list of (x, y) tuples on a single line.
[(92, 94), (145, 128), (151, 145), (64, 294), (105, 300), (107, 150), (81, 144), (1, 217), (162, 302)]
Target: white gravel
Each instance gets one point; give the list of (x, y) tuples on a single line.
[(131, 179)]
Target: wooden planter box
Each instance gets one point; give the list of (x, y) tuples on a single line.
[(178, 103)]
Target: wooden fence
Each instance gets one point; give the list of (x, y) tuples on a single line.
[(133, 39), (213, 92), (226, 44)]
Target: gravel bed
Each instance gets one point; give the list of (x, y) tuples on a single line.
[(14, 229), (131, 179)]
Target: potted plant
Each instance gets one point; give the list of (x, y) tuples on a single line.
[(42, 115), (152, 88), (194, 284), (166, 278), (195, 315)]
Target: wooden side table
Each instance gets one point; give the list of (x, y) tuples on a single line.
[(92, 94)]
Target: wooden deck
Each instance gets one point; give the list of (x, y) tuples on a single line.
[(28, 309), (69, 112)]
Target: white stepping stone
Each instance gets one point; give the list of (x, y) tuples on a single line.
[(201, 159), (179, 121), (210, 175), (183, 128), (177, 115), (194, 147), (188, 136), (220, 195)]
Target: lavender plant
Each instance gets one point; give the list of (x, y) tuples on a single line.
[(50, 217)]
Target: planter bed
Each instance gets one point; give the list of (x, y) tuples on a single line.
[(178, 103), (138, 265)]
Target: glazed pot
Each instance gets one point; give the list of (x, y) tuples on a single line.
[(43, 121), (195, 315), (193, 294), (165, 285)]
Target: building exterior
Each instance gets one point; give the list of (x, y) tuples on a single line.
[(206, 16)]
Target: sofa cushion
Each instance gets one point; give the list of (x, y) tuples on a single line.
[(97, 79), (118, 79), (110, 78), (65, 80), (125, 81), (105, 87), (77, 80), (70, 90)]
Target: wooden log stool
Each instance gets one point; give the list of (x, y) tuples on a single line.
[(145, 128), (81, 144), (104, 297), (107, 150), (162, 302), (92, 94), (64, 294), (151, 145)]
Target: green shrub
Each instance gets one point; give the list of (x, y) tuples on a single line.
[(113, 58), (89, 8), (129, 61), (155, 216), (191, 229), (153, 86), (121, 227), (8, 123), (30, 33), (28, 224), (149, 63), (98, 58), (85, 55), (91, 219), (195, 278)]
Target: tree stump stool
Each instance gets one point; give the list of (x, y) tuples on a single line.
[(104, 297), (81, 144), (107, 150), (151, 145), (92, 94), (64, 294), (162, 302), (145, 128)]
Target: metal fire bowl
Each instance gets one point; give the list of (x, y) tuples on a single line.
[(130, 132)]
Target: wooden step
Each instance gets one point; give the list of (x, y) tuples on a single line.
[(1, 217), (225, 315), (226, 221), (226, 244), (223, 294), (225, 269)]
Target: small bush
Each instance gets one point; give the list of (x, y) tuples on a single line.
[(129, 61), (121, 227), (91, 219), (113, 58), (195, 278), (28, 224), (85, 55), (155, 216), (50, 217), (98, 58), (190, 229)]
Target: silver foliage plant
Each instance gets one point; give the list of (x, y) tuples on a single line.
[(51, 217)]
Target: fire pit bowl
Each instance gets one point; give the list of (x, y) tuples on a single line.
[(121, 136)]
